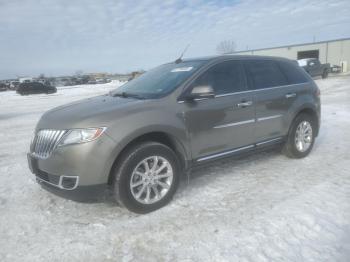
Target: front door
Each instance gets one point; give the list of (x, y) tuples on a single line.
[(219, 125)]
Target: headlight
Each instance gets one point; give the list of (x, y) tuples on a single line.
[(77, 136)]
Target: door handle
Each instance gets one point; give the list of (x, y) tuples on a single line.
[(291, 95), (244, 104)]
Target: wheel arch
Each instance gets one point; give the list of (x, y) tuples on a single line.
[(307, 109), (155, 136)]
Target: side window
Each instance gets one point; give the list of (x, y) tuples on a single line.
[(226, 77), (265, 74), (293, 73)]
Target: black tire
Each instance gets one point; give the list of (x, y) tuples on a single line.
[(325, 74), (125, 167), (290, 147)]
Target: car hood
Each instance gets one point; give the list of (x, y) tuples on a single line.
[(92, 112)]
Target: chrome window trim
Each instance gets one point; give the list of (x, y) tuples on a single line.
[(268, 117), (249, 91), (235, 123)]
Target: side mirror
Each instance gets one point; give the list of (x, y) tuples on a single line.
[(200, 92)]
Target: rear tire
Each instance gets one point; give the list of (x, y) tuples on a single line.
[(325, 74), (301, 137), (139, 185)]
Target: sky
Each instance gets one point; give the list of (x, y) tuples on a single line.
[(61, 37)]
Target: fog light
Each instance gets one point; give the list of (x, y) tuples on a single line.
[(68, 182)]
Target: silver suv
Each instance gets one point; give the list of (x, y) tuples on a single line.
[(139, 139)]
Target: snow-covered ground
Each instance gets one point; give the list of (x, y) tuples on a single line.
[(262, 208)]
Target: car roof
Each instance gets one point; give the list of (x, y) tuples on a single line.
[(238, 57)]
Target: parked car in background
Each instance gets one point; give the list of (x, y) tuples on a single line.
[(3, 87), (35, 88), (92, 82), (138, 139), (101, 80), (314, 67), (14, 85), (336, 69)]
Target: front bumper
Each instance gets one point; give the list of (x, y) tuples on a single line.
[(81, 193), (69, 189), (70, 167)]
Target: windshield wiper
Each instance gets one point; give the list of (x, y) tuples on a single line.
[(126, 95)]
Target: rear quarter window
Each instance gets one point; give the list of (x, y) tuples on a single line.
[(293, 73), (264, 74)]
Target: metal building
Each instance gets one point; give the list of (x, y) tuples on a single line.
[(335, 52)]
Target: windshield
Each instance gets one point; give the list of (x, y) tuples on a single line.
[(159, 81)]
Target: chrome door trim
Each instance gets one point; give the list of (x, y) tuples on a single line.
[(268, 117), (224, 153), (236, 123), (290, 95), (268, 141), (238, 149), (245, 104), (247, 121)]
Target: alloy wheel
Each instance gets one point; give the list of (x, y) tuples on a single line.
[(303, 136), (151, 179)]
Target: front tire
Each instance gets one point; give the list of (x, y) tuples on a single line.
[(301, 137), (146, 177)]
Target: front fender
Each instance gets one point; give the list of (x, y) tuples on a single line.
[(125, 132), (178, 135)]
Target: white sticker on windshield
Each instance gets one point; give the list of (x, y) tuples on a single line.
[(182, 69)]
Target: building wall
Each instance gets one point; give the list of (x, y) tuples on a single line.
[(333, 52), (339, 51)]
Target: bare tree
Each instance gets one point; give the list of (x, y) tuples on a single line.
[(226, 47)]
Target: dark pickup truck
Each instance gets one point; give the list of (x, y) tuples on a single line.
[(314, 67)]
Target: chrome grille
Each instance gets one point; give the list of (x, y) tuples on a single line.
[(45, 142)]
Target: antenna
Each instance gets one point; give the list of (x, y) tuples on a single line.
[(179, 60)]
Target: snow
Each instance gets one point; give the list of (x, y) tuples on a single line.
[(260, 208)]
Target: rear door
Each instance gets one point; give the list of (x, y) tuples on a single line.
[(272, 97), (226, 122)]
